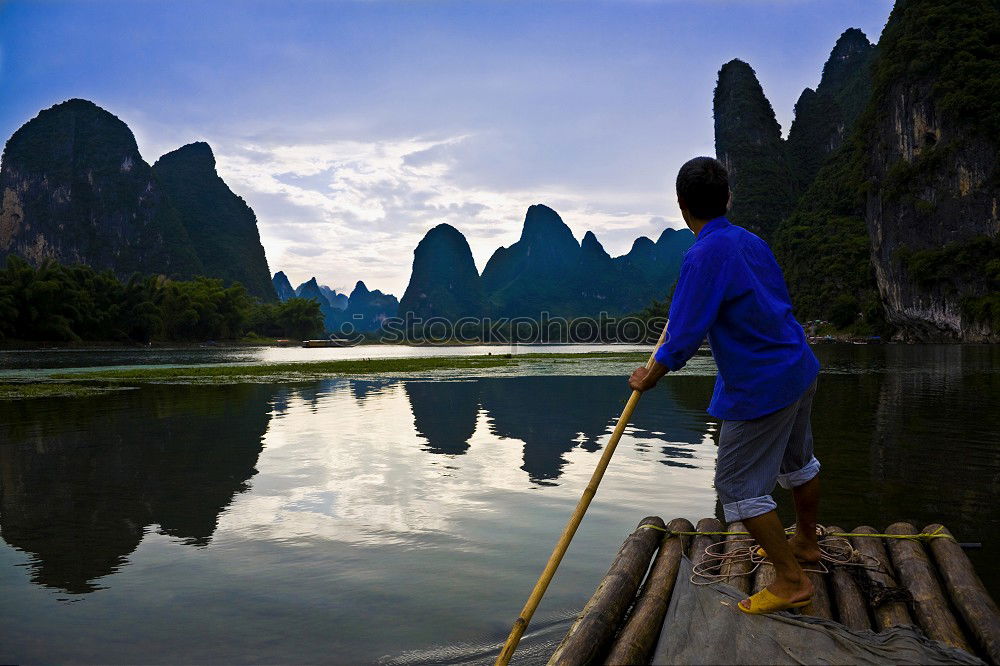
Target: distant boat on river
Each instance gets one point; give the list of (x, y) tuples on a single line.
[(313, 344)]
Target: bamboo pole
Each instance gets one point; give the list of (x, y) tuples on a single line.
[(764, 576), (977, 608), (880, 572), (820, 605), (703, 541), (852, 609), (737, 568), (930, 605), (636, 640), (597, 623), (521, 623)]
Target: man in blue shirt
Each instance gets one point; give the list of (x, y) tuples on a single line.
[(731, 290)]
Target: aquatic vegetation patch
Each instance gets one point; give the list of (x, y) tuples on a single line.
[(375, 366), (28, 390)]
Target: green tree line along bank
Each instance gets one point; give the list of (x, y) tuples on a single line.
[(57, 303)]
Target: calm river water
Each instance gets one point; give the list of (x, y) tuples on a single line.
[(405, 520)]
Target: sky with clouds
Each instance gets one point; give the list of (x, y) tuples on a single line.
[(353, 127)]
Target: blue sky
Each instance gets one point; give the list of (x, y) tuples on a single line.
[(353, 127)]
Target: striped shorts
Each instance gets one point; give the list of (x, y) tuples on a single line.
[(755, 455)]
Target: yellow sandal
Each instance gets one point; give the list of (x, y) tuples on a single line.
[(766, 601)]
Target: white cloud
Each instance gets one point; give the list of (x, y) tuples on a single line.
[(349, 210)]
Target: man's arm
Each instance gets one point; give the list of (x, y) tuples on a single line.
[(700, 290)]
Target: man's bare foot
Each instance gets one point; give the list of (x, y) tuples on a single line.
[(804, 548), (790, 590)]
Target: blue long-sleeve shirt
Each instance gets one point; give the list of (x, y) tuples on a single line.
[(731, 288)]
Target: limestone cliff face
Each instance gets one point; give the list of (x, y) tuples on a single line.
[(548, 271), (822, 245), (364, 309), (312, 291), (934, 187), (767, 173), (824, 117), (220, 224), (530, 276), (648, 271), (893, 160), (367, 308), (932, 204), (444, 281), (545, 250), (596, 274), (282, 287), (337, 300), (748, 141), (74, 188)]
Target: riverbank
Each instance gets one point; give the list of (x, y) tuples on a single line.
[(98, 345)]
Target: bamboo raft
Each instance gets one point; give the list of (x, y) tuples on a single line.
[(926, 581)]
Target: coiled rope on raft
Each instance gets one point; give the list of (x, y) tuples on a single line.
[(834, 547)]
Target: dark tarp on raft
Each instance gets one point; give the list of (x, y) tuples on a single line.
[(704, 626)]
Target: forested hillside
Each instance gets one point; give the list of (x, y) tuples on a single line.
[(897, 230)]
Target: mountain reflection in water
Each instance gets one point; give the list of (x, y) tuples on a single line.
[(550, 415), (83, 480)]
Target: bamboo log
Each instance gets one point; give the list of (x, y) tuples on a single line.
[(596, 624), (930, 606), (888, 613), (820, 605), (736, 569), (703, 541), (636, 641), (967, 593), (763, 577), (542, 584), (852, 611)]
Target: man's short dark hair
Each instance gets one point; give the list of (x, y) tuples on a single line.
[(703, 183)]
